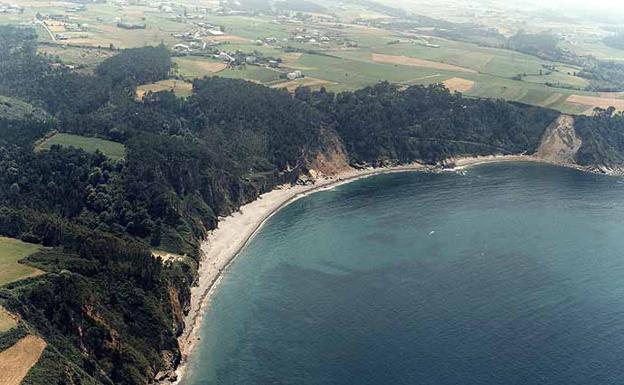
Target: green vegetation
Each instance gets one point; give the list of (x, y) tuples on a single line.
[(111, 149), (12, 251), (13, 109)]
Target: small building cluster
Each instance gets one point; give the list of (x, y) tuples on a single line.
[(10, 8)]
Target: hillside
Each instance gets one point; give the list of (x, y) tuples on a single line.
[(108, 310)]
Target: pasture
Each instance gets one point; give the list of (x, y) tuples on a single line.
[(11, 252), (113, 150)]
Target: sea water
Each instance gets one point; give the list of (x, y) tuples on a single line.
[(509, 274)]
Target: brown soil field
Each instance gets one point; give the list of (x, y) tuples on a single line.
[(459, 84), (595, 101), (414, 62), (7, 320), (16, 361)]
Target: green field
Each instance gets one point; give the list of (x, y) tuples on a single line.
[(111, 149), (6, 321), (11, 252), (335, 66)]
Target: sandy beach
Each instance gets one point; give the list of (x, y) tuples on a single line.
[(223, 244)]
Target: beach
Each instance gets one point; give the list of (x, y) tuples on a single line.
[(223, 244)]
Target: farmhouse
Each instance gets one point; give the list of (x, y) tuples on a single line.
[(294, 75), (126, 25)]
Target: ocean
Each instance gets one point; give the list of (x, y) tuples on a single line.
[(509, 274)]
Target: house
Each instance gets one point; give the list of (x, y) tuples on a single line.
[(181, 48), (216, 32), (126, 25), (294, 75)]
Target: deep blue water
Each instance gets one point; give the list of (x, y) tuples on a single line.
[(510, 274)]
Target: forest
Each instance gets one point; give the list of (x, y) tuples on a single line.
[(108, 309)]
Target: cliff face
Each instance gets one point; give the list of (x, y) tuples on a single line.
[(560, 142), (331, 158)]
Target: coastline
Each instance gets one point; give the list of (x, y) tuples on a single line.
[(222, 245)]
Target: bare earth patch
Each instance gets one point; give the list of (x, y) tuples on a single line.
[(414, 62), (16, 361), (560, 143), (595, 101), (166, 256), (459, 84)]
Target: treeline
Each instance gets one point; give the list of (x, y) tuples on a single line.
[(603, 139), (385, 125)]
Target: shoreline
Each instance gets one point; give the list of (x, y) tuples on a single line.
[(223, 244)]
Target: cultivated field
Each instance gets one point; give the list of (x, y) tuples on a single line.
[(459, 84), (16, 361), (592, 102), (374, 54), (414, 62), (11, 252), (198, 67), (7, 321), (179, 87), (111, 149)]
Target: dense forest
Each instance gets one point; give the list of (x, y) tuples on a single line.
[(109, 310)]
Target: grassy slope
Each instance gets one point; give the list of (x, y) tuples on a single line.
[(12, 251), (15, 109), (111, 149)]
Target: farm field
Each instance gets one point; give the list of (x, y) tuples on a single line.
[(179, 87), (11, 252), (7, 322), (16, 361), (377, 54), (111, 149), (197, 67)]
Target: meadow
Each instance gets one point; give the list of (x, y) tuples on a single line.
[(11, 252), (111, 149)]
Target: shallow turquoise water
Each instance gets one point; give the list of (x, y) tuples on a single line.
[(510, 274)]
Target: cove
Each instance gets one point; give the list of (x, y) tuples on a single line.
[(509, 274)]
